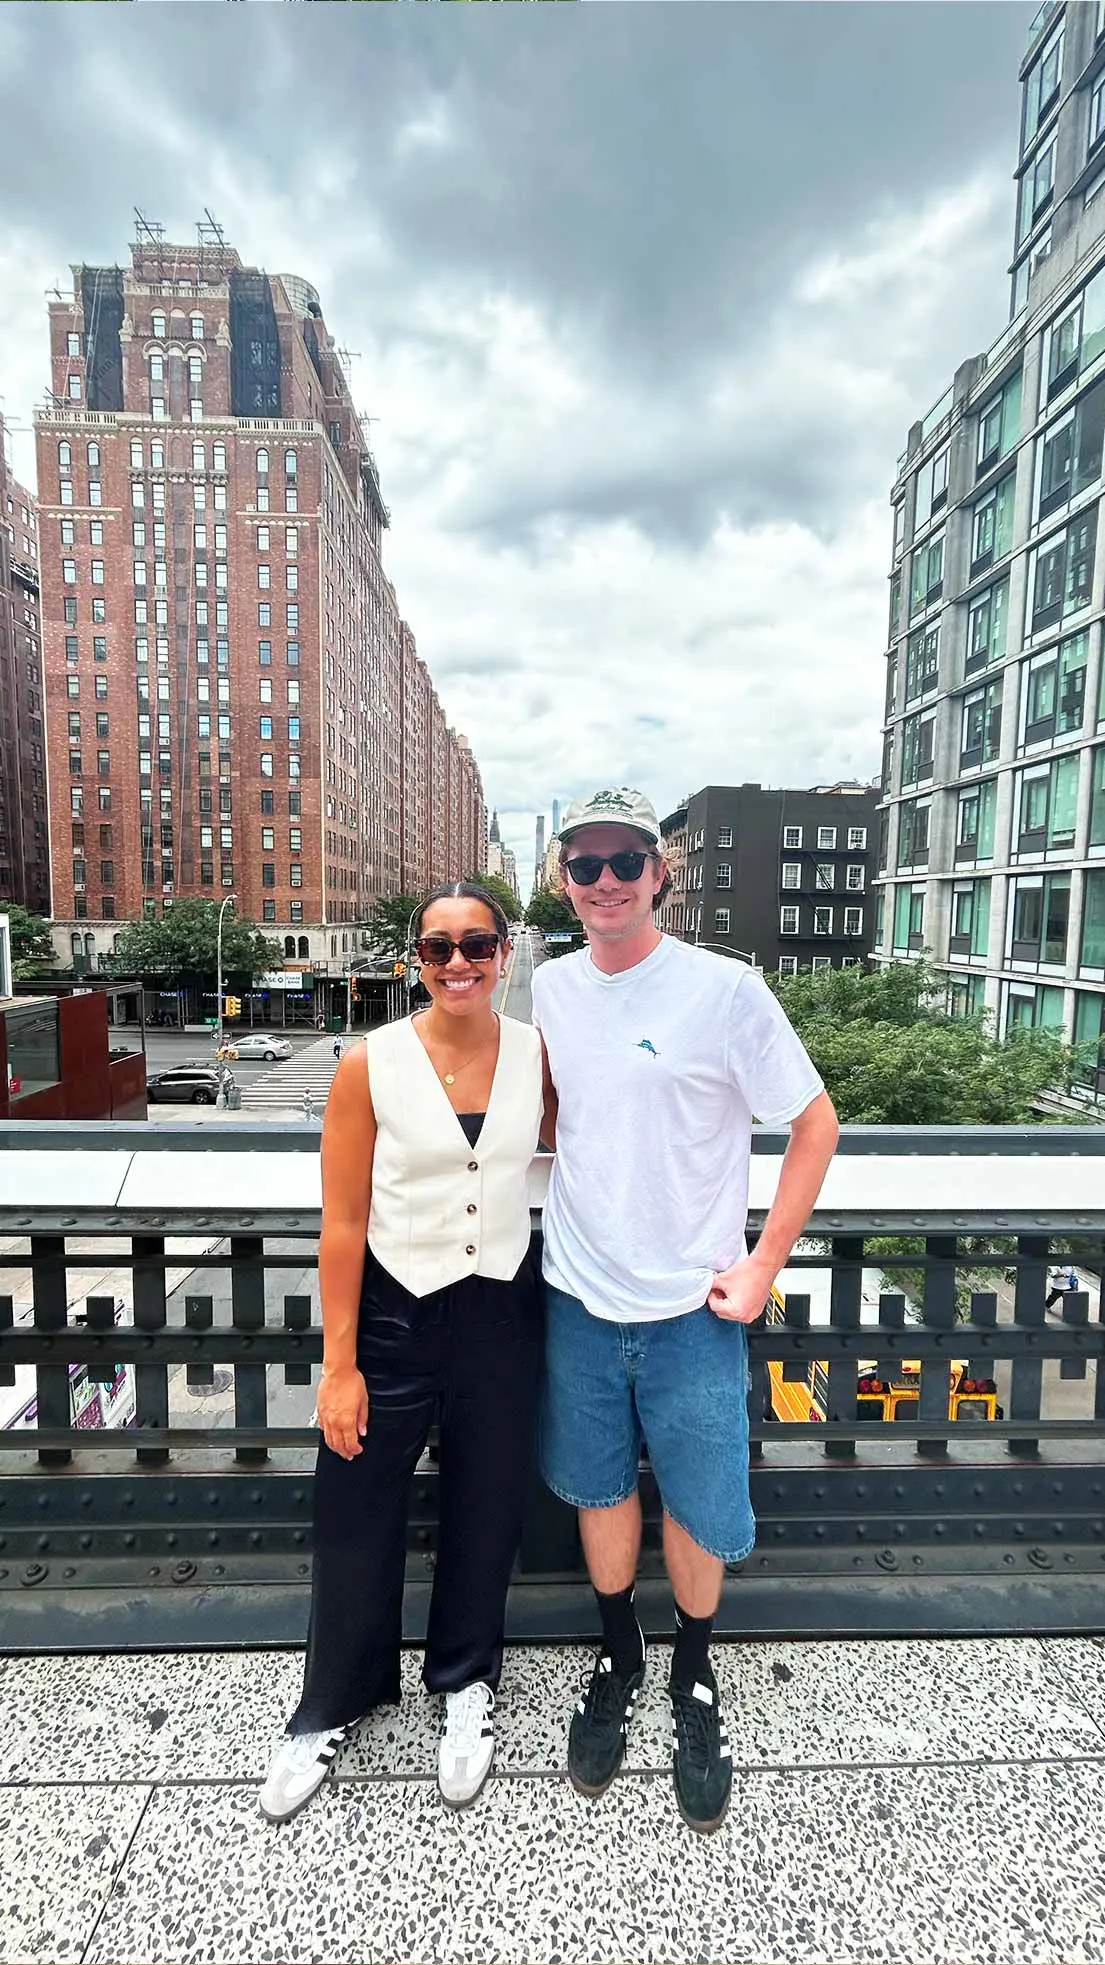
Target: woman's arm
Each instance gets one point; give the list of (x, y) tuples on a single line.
[(548, 1115), (348, 1141)]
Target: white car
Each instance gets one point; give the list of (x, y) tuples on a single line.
[(260, 1046)]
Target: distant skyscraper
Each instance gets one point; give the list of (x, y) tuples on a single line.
[(539, 849), (556, 818)]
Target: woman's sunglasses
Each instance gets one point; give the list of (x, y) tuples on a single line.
[(476, 945), (624, 866)]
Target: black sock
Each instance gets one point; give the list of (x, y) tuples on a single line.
[(690, 1663), (621, 1633)]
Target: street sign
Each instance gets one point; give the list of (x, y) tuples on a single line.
[(559, 936)]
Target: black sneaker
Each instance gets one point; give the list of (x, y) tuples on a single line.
[(702, 1759), (596, 1742)]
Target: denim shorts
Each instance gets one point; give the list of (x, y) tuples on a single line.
[(681, 1383)]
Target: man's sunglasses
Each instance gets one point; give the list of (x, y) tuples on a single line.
[(624, 866), (476, 945)]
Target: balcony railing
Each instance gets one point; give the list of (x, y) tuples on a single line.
[(169, 1275)]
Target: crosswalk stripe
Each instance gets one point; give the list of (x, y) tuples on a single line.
[(285, 1086)]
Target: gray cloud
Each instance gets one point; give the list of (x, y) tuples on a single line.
[(645, 297)]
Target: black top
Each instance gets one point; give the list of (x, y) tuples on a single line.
[(472, 1123)]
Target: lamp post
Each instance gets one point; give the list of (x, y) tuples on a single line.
[(219, 972)]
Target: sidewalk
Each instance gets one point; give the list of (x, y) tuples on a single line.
[(895, 1803)]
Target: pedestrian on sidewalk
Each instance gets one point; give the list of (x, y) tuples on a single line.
[(660, 1054), (431, 1315), (1062, 1280), (337, 1044)]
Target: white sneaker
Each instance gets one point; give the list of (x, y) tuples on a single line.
[(299, 1767), (467, 1744)]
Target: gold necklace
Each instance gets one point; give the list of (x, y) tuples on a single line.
[(450, 1077)]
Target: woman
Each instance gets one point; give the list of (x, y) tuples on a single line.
[(430, 1314)]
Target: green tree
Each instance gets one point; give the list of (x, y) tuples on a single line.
[(551, 913), (183, 942), (890, 1056), (499, 891), (388, 924), (32, 948)]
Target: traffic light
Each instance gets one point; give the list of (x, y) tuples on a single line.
[(354, 990), (399, 968), (233, 1006)]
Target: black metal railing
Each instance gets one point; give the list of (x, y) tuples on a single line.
[(175, 1267)]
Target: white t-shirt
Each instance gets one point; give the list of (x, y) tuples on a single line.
[(658, 1072)]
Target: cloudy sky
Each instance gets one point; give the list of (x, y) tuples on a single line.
[(643, 299)]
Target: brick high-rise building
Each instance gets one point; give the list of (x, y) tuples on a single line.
[(232, 698), (24, 834)]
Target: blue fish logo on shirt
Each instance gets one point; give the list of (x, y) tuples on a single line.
[(646, 1044)]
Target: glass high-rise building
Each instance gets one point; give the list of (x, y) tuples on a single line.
[(992, 834)]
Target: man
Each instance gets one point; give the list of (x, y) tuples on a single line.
[(660, 1055), (1062, 1280)]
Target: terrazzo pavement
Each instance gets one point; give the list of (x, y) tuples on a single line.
[(895, 1803)]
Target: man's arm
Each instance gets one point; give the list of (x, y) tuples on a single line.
[(740, 1293)]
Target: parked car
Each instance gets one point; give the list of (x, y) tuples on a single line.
[(258, 1046), (186, 1084)]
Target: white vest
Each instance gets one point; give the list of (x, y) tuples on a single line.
[(442, 1209)]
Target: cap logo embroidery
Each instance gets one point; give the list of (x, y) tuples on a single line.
[(646, 1044), (616, 800)]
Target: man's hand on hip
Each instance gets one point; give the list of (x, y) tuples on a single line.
[(739, 1294)]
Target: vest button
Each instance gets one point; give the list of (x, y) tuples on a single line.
[(473, 1166), (471, 1249), (471, 1207)]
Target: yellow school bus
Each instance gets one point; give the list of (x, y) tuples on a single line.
[(970, 1400)]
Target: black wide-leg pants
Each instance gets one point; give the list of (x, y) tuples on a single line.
[(467, 1358)]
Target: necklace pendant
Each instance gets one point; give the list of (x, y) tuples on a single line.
[(450, 1078)]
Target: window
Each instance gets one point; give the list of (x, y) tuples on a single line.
[(788, 920), (268, 839), (913, 833), (74, 388), (264, 575), (71, 648), (69, 572), (1074, 340), (291, 539), (266, 728), (268, 874), (264, 653), (823, 875), (268, 910), (723, 871), (922, 667), (293, 738), (999, 424), (157, 326), (262, 539), (970, 924), (293, 654), (986, 627), (926, 583), (909, 918), (262, 463), (932, 489), (262, 498), (97, 573), (826, 839), (822, 921), (792, 837), (157, 453), (195, 326), (1061, 573), (1092, 950), (65, 491), (1070, 453), (75, 725), (855, 879), (295, 876), (853, 921), (721, 920), (264, 688), (1047, 804), (292, 617), (218, 457), (1036, 192), (992, 526), (1039, 919), (788, 965), (291, 576), (918, 740), (1041, 89), (291, 463), (266, 764), (980, 739), (295, 839), (101, 723), (72, 344), (294, 801), (1053, 691)]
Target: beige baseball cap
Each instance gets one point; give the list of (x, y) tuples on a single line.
[(620, 807)]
